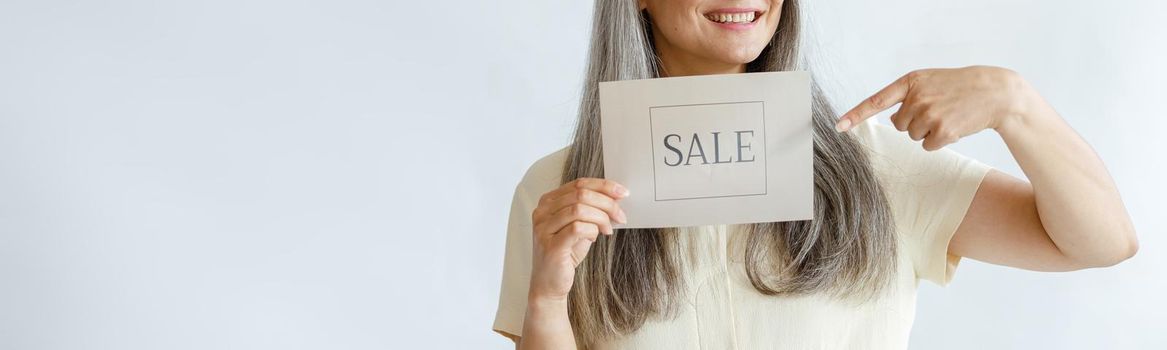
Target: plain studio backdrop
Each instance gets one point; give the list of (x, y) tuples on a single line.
[(337, 174)]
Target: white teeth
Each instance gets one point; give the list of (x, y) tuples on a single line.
[(746, 17)]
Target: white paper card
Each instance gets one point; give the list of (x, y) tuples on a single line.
[(713, 149)]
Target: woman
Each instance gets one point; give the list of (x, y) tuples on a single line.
[(888, 210)]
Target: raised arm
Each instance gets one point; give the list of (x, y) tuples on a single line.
[(1068, 216)]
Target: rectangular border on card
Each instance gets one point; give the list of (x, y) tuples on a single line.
[(765, 167)]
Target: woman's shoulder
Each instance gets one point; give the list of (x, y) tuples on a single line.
[(899, 160), (929, 192), (545, 174), (882, 142)]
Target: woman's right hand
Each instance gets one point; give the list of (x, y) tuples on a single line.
[(566, 222)]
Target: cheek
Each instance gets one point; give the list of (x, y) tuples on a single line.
[(678, 29)]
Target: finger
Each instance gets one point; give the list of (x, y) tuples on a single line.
[(577, 230), (901, 118), (571, 236), (609, 187), (918, 129), (579, 250), (937, 139), (887, 97), (605, 186), (588, 197), (576, 212)]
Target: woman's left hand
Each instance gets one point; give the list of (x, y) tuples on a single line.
[(940, 106)]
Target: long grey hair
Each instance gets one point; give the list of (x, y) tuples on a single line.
[(847, 250)]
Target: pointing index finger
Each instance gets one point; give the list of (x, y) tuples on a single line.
[(889, 96)]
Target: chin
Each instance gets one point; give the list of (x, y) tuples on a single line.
[(740, 55)]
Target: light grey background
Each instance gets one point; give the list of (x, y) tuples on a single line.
[(336, 174)]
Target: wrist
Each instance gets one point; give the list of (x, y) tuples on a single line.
[(1027, 110), (547, 320), (1030, 128), (535, 300)]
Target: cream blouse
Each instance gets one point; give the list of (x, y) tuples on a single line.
[(929, 193)]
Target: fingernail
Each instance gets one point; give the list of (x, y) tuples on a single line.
[(621, 217), (623, 191), (843, 125)]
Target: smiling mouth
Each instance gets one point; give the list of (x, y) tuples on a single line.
[(733, 16)]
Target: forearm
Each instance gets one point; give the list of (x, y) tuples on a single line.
[(1077, 201), (546, 325)]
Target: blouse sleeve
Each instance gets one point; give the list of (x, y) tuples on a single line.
[(930, 192), (543, 176)]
